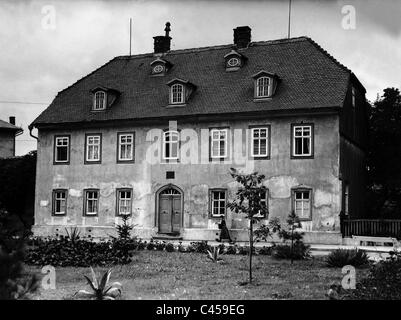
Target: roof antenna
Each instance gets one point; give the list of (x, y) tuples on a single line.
[(289, 19), (130, 35), (167, 28)]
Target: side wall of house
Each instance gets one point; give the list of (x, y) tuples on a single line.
[(353, 142), (7, 144), (321, 174)]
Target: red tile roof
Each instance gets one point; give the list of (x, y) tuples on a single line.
[(309, 79)]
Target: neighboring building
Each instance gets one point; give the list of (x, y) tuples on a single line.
[(8, 132), (119, 140)]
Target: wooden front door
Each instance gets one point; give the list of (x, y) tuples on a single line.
[(170, 211)]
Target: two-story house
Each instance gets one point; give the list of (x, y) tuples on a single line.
[(154, 136), (8, 132)]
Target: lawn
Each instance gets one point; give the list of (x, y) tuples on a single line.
[(175, 275)]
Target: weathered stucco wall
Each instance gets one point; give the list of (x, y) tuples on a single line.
[(282, 173), (7, 144)]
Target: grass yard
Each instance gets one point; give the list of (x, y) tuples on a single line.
[(164, 275)]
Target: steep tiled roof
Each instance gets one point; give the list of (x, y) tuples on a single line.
[(8, 126), (309, 79)]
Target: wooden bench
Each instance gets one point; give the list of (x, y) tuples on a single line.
[(374, 241)]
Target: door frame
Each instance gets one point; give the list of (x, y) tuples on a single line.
[(157, 200)]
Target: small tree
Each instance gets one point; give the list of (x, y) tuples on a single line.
[(124, 229), (248, 201)]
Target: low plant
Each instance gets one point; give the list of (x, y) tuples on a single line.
[(200, 246), (181, 248), (151, 245), (73, 235), (232, 249), (265, 251), (100, 288), (214, 254), (299, 251), (342, 257), (170, 247), (160, 246)]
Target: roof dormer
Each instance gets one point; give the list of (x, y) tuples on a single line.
[(103, 98), (234, 60), (160, 67), (180, 91), (265, 84)]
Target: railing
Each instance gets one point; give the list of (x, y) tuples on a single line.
[(371, 228)]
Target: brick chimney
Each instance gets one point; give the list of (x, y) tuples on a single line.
[(242, 36), (12, 120), (162, 43)]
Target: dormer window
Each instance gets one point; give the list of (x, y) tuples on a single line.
[(160, 67), (265, 84), (103, 98), (177, 93), (180, 91), (234, 60)]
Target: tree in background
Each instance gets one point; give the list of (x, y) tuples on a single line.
[(17, 188), (384, 155), (249, 202)]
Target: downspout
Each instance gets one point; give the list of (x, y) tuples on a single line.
[(30, 127)]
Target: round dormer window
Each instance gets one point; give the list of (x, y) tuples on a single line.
[(233, 62), (158, 68)]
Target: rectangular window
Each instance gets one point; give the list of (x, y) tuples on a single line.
[(302, 203), (59, 202), (91, 202), (262, 87), (61, 149), (126, 146), (264, 200), (218, 202), (219, 140), (170, 145), (177, 93), (260, 142), (302, 141), (124, 201), (93, 148), (346, 199)]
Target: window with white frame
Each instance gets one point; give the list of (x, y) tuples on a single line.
[(219, 140), (124, 201), (93, 148), (177, 93), (302, 203), (59, 202), (264, 202), (91, 202), (170, 145), (125, 147), (259, 142), (218, 203), (302, 141), (100, 100), (263, 87), (61, 149)]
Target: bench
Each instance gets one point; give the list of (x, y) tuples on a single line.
[(375, 241)]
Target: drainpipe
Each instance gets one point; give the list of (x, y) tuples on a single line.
[(30, 127)]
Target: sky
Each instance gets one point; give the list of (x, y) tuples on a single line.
[(46, 46)]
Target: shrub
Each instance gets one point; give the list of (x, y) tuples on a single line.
[(170, 247), (245, 250), (382, 283), (200, 246), (342, 257), (300, 251), (181, 248), (160, 245), (214, 254), (190, 248), (265, 251), (232, 249), (151, 246)]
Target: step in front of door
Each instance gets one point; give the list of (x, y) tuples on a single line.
[(167, 236)]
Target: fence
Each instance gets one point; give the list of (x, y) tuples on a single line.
[(371, 228)]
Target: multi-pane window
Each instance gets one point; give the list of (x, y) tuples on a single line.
[(93, 148), (91, 202), (59, 202), (264, 204), (302, 141), (100, 101), (124, 201), (218, 203), (302, 203), (177, 93), (219, 143), (61, 149), (125, 146), (259, 142), (170, 145), (263, 87)]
